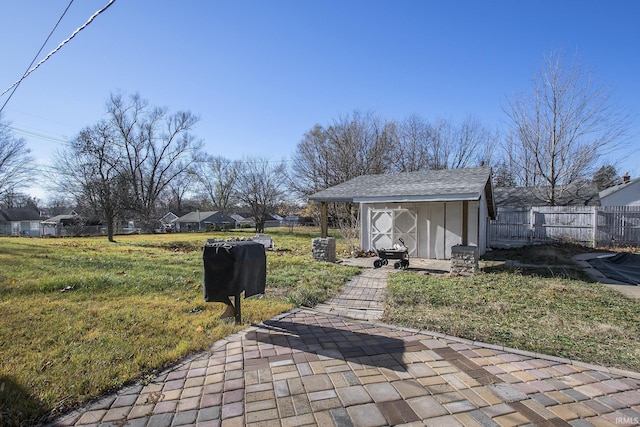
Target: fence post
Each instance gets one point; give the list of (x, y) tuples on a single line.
[(595, 227), (532, 225)]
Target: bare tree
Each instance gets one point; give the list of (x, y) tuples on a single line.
[(261, 188), (177, 190), (411, 152), (457, 146), (217, 177), (90, 169), (473, 145), (156, 147), (443, 144), (352, 145), (440, 144), (312, 166), (15, 160), (129, 159), (14, 199), (359, 144), (562, 127)]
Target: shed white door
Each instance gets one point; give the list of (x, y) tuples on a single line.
[(388, 226)]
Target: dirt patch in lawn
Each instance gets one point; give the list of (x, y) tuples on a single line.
[(555, 260), (557, 254)]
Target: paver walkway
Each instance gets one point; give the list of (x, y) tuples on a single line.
[(361, 298), (312, 367)]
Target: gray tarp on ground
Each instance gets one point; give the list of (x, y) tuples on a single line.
[(623, 267)]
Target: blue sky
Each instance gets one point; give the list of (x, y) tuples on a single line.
[(262, 73)]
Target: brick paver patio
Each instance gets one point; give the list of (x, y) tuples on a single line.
[(327, 367)]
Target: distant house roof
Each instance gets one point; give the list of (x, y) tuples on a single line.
[(169, 217), (196, 216), (242, 220), (60, 219), (576, 194), (423, 186), (20, 214), (615, 188), (248, 217)]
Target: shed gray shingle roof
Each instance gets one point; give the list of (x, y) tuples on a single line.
[(433, 185)]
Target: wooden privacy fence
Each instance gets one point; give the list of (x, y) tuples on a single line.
[(595, 226)]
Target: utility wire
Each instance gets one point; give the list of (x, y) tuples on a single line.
[(15, 87), (39, 135), (68, 39)]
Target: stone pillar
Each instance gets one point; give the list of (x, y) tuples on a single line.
[(464, 259), (324, 249)]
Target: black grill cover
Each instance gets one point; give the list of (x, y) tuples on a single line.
[(233, 267)]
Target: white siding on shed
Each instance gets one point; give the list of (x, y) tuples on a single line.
[(436, 231), (429, 229), (453, 225)]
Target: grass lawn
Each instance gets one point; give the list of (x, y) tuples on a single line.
[(551, 310), (82, 316)]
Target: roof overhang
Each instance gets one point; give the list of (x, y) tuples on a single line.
[(452, 185), (416, 199)]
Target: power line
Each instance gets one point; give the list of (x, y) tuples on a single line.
[(68, 39), (38, 135), (67, 142), (37, 54)]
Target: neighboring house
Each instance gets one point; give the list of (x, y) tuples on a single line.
[(241, 221), (430, 210), (61, 225), (272, 220), (246, 220), (577, 194), (626, 193), (168, 222), (130, 226), (20, 222), (202, 221), (291, 220), (298, 220)]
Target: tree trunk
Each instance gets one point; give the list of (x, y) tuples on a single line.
[(110, 230)]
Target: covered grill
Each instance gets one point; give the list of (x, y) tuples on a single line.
[(231, 268)]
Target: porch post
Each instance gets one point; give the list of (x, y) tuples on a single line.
[(324, 229)]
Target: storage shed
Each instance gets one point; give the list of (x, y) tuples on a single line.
[(430, 210)]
